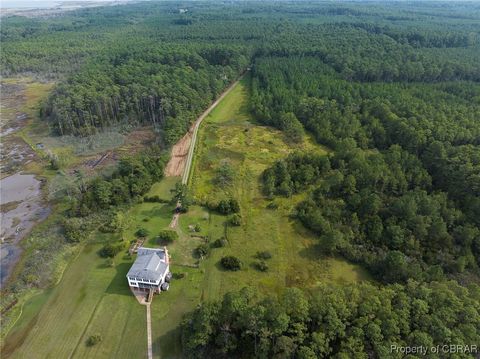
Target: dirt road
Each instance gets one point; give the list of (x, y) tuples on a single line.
[(182, 152)]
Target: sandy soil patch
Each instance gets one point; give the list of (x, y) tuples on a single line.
[(179, 155)]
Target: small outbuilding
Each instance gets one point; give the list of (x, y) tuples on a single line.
[(150, 271)]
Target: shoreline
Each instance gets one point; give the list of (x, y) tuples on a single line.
[(58, 8), (29, 212)]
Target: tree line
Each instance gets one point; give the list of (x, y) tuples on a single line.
[(351, 321), (379, 209), (431, 125), (393, 92), (164, 87)]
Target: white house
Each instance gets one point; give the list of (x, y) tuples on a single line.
[(151, 270)]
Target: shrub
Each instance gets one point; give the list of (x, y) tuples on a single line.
[(142, 232), (202, 250), (76, 229), (110, 263), (182, 194), (167, 236), (236, 220), (197, 228), (264, 255), (54, 162), (154, 199), (261, 266), (231, 263), (272, 205), (178, 275), (94, 340), (224, 175), (219, 243), (228, 206), (111, 250), (106, 228)]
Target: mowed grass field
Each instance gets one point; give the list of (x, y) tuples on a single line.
[(90, 299), (93, 298)]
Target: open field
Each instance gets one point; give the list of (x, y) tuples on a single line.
[(94, 298), (90, 299), (229, 134)]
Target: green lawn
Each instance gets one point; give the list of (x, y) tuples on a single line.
[(94, 299), (91, 298)]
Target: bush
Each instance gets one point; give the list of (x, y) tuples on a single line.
[(231, 263), (261, 266), (272, 205), (76, 229), (224, 175), (154, 199), (236, 220), (54, 162), (94, 340), (228, 206), (197, 228), (202, 250), (219, 243), (110, 263), (264, 255), (142, 232), (111, 250), (167, 236), (115, 222), (178, 275), (182, 194)]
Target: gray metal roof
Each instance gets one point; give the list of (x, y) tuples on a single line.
[(149, 265)]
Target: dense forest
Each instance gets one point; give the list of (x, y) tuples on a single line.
[(400, 193), (139, 64), (353, 321), (166, 87), (391, 89)]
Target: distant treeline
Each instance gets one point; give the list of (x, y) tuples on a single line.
[(163, 86), (401, 194), (152, 64), (392, 88)]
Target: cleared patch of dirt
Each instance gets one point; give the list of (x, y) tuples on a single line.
[(137, 140), (179, 155)]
